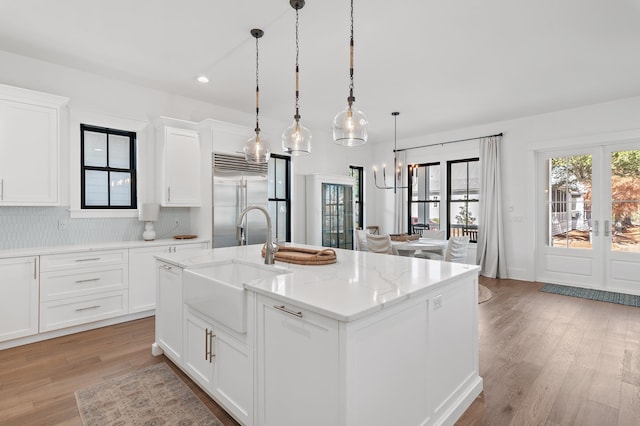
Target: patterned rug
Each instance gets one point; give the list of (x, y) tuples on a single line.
[(151, 396), (589, 293)]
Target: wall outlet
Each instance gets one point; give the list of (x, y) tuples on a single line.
[(437, 302), (62, 224)]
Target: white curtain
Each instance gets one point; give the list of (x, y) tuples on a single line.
[(490, 251)]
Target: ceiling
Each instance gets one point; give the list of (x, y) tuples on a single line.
[(442, 64)]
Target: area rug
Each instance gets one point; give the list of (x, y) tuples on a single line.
[(589, 293), (154, 395), (484, 294)]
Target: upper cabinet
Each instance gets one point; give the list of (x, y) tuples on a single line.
[(179, 166), (29, 147)]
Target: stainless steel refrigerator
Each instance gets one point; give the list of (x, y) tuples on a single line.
[(236, 185)]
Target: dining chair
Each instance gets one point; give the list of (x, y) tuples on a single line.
[(456, 251), (379, 243), (361, 240), (434, 234)]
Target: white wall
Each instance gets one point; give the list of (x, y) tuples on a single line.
[(522, 137)]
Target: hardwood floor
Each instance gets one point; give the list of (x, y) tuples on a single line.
[(546, 360)]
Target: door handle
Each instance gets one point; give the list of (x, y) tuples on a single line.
[(595, 228), (607, 228)]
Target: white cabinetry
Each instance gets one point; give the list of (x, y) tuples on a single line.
[(29, 147), (77, 288), (179, 161), (18, 297), (221, 363), (298, 366), (169, 311), (142, 273)]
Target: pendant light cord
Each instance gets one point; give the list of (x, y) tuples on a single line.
[(257, 129), (351, 99), (297, 116)]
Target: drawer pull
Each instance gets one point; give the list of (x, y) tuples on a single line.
[(87, 280), (167, 267), (87, 308), (87, 259), (284, 309)]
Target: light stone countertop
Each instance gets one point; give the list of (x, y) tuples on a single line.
[(41, 251), (358, 284)]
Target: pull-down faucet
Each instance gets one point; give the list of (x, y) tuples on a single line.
[(270, 248)]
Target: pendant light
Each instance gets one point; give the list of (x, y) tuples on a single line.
[(350, 125), (296, 139), (257, 150)]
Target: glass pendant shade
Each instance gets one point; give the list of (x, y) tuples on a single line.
[(296, 140), (350, 127), (257, 150)]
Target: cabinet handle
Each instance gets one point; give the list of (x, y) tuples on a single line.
[(87, 308), (87, 259), (208, 345), (284, 309), (167, 267), (607, 228), (87, 280)]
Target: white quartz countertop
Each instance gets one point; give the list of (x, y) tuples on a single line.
[(41, 251), (358, 284)]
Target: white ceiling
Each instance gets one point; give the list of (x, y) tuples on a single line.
[(442, 64)]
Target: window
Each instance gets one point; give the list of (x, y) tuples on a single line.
[(280, 196), (358, 172), (463, 195), (424, 197), (107, 166)]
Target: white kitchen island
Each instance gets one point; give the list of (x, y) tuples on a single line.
[(370, 340)]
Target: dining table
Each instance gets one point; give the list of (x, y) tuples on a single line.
[(409, 248)]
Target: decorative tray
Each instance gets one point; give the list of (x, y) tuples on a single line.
[(304, 256), (185, 237), (404, 237)]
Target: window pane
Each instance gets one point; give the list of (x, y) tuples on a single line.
[(281, 179), (433, 184), (271, 176), (95, 149), (625, 197), (120, 185), (119, 152), (96, 185), (459, 181)]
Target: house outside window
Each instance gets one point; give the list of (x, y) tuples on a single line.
[(463, 197), (424, 197), (279, 193), (108, 168), (358, 172)]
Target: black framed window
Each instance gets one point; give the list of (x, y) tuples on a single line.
[(107, 167), (279, 193), (357, 172), (424, 197), (463, 197)]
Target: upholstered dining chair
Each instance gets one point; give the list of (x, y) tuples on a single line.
[(379, 244), (434, 234), (456, 251), (361, 240)]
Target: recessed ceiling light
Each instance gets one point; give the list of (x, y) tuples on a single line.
[(203, 79)]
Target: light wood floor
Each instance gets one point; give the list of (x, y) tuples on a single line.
[(545, 359)]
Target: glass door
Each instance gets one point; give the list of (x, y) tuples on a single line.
[(337, 215)]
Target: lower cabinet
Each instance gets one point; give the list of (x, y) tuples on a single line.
[(298, 366), (142, 273), (169, 311), (18, 297), (221, 365)]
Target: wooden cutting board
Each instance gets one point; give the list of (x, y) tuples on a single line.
[(304, 256)]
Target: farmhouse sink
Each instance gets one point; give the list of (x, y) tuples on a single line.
[(217, 291)]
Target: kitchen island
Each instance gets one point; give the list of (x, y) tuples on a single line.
[(370, 340)]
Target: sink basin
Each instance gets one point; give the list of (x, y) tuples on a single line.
[(217, 291)]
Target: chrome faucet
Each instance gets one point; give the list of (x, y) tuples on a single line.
[(270, 248)]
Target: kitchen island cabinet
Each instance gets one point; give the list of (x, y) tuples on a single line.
[(370, 340)]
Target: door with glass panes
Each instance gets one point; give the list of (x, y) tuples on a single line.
[(589, 217)]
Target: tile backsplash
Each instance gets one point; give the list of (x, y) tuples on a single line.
[(26, 227)]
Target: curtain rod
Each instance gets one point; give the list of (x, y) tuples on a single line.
[(444, 143)]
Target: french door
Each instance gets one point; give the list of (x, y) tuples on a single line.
[(588, 209)]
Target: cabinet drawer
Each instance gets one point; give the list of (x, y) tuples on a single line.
[(82, 282), (84, 259), (79, 310)]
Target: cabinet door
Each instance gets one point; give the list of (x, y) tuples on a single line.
[(28, 154), (232, 383), (298, 367), (18, 297), (197, 348), (169, 311), (181, 168)]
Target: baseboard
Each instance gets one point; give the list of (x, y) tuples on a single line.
[(464, 402)]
